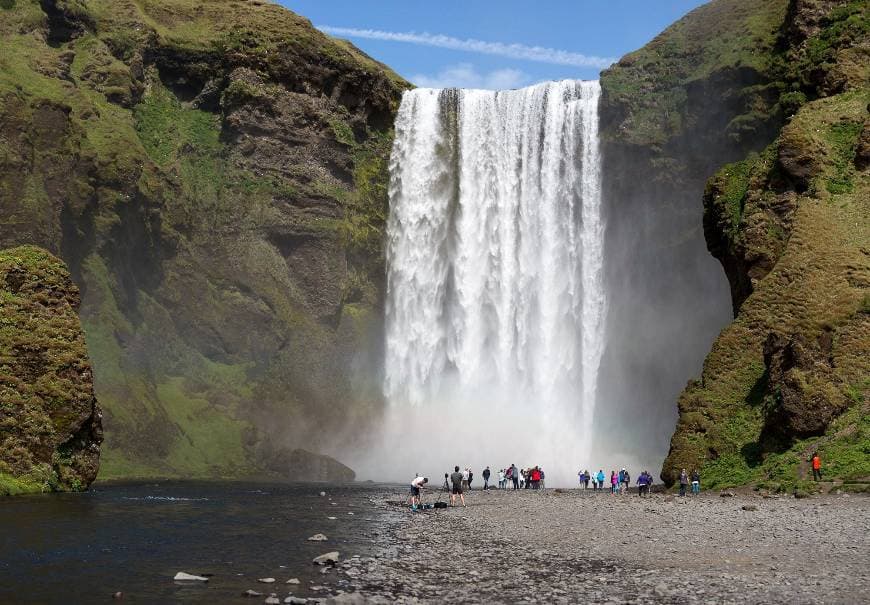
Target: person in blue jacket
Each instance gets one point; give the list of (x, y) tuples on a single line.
[(600, 478)]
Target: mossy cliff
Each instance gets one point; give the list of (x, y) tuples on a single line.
[(214, 174), (788, 219), (50, 422)]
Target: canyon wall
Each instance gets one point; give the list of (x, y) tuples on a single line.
[(779, 89), (214, 174)]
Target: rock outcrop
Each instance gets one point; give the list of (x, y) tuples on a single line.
[(776, 91), (214, 174), (791, 227), (50, 421)]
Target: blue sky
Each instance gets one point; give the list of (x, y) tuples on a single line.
[(495, 43)]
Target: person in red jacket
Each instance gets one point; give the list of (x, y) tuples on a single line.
[(817, 467)]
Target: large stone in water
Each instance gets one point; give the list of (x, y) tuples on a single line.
[(330, 558), (182, 576)]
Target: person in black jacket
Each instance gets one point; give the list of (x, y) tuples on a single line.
[(486, 474)]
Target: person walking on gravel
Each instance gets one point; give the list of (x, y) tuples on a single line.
[(626, 481), (486, 475), (515, 476), (456, 479), (684, 481), (817, 467)]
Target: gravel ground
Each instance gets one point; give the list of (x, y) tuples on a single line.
[(572, 547)]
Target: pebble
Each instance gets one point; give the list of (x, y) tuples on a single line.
[(317, 538), (272, 600), (292, 581), (266, 580), (252, 593)]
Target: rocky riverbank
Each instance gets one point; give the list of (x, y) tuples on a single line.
[(568, 547)]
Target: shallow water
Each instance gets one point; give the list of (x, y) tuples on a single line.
[(134, 537)]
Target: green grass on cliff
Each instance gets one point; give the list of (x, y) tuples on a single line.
[(650, 83), (811, 288)]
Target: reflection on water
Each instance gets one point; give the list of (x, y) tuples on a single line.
[(134, 537)]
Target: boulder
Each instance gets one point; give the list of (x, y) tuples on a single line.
[(330, 558), (182, 576), (302, 465)]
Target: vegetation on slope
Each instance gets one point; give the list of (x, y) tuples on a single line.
[(214, 175), (50, 429), (791, 225)]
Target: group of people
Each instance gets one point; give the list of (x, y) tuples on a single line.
[(521, 478), (684, 482), (459, 481), (619, 482)]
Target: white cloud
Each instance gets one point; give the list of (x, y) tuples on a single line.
[(512, 50), (464, 75)]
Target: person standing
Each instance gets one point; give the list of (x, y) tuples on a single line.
[(684, 481), (465, 477), (600, 478), (470, 478), (515, 476), (817, 467), (501, 478), (696, 482), (486, 478), (614, 483), (641, 483), (586, 479), (626, 480), (456, 480), (543, 479)]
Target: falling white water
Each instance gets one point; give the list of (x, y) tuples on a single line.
[(495, 300)]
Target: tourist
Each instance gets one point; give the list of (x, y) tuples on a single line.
[(600, 478), (614, 483), (586, 479), (502, 481), (696, 482), (641, 484), (619, 478), (485, 475), (515, 476), (817, 467), (457, 480), (626, 480), (535, 475), (684, 481), (543, 478), (465, 481), (416, 485), (470, 478)]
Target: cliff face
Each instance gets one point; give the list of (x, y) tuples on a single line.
[(702, 93), (214, 174), (788, 222), (50, 422)]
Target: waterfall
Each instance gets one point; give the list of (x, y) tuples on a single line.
[(495, 300)]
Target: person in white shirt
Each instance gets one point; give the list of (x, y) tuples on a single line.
[(501, 479), (416, 485)]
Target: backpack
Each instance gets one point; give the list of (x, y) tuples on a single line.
[(509, 474)]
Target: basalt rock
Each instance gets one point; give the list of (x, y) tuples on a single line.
[(50, 421)]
